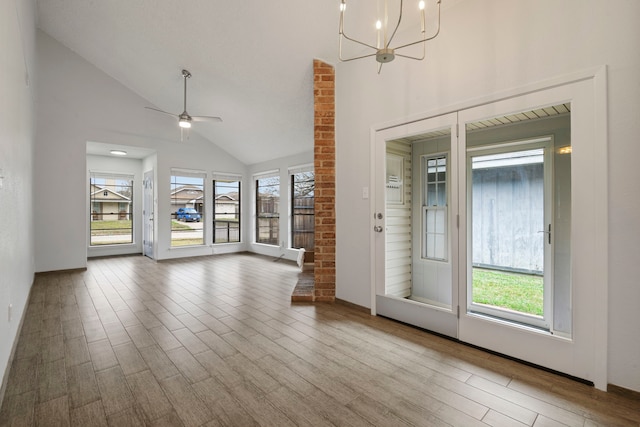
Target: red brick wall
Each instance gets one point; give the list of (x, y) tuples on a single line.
[(325, 181)]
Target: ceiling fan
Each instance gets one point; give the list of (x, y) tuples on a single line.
[(184, 119)]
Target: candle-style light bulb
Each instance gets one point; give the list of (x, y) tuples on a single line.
[(421, 7), (378, 27)]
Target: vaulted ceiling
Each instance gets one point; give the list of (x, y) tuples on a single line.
[(251, 61)]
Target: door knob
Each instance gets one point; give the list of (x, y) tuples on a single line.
[(378, 229)]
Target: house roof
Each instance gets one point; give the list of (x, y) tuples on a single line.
[(97, 194), (186, 193), (251, 61), (227, 197)]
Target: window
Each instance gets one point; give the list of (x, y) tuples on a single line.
[(267, 208), (434, 208), (302, 209), (187, 208), (111, 201), (226, 209)]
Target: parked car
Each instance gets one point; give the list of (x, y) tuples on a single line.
[(188, 214)]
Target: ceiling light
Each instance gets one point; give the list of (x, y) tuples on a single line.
[(184, 123), (383, 51), (118, 152)]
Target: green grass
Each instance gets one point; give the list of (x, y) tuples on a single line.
[(183, 241), (175, 225), (186, 242), (513, 291), (110, 228)]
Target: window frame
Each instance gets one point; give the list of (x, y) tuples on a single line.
[(293, 173), (264, 215), (98, 215), (437, 208), (238, 213), (187, 175)]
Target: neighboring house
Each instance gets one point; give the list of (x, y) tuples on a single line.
[(108, 205), (187, 196), (227, 206)]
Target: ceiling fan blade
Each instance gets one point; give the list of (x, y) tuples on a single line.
[(184, 119), (206, 119), (161, 111)]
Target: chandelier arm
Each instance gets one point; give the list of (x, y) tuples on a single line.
[(357, 57), (418, 58), (397, 26), (343, 34), (426, 39), (411, 57), (351, 59), (357, 41)]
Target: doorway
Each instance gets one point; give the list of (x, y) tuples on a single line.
[(473, 231), (417, 244), (147, 215)]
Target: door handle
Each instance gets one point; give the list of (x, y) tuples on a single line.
[(548, 233), (378, 229)]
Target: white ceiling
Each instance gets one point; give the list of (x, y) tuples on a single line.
[(251, 61), (102, 149)]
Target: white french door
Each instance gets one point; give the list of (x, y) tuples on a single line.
[(511, 231), (521, 201), (565, 336), (415, 234)]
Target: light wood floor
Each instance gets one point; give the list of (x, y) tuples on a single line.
[(215, 341)]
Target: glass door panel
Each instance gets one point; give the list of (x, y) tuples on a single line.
[(510, 201)]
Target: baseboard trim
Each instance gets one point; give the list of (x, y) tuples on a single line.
[(625, 392), (14, 346), (68, 270)]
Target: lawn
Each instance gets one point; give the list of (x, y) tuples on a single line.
[(176, 240), (513, 291), (123, 227), (110, 228), (175, 225), (186, 242)]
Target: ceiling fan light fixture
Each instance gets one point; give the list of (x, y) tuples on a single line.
[(184, 119)]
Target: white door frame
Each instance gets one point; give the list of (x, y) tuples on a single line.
[(587, 91), (148, 214), (436, 318)]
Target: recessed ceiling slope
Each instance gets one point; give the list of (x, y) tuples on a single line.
[(253, 61)]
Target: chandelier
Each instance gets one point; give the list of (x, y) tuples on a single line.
[(383, 51)]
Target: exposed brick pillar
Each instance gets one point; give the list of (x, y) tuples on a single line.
[(325, 181)]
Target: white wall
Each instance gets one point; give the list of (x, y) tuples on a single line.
[(248, 199), (77, 103), (17, 76), (484, 48)]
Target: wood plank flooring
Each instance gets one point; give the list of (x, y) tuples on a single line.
[(215, 341)]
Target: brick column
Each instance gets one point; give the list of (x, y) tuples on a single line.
[(325, 181)]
